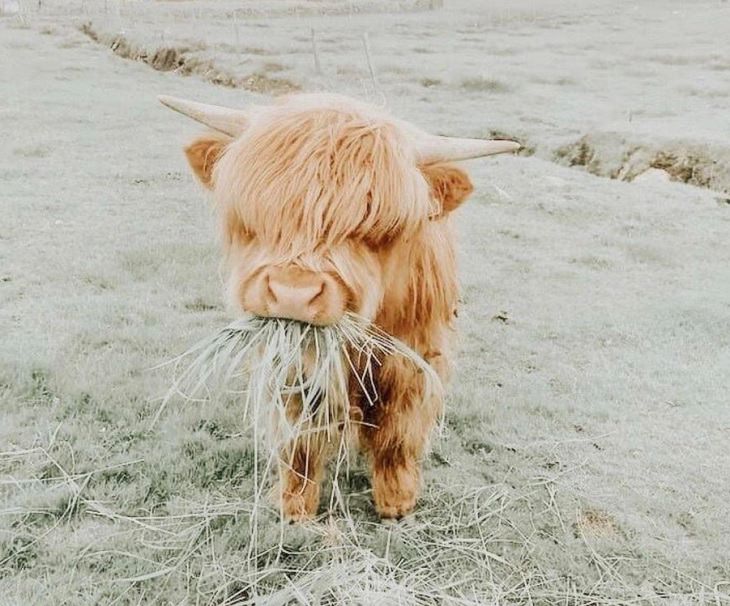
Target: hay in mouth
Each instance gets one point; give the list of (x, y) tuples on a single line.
[(280, 360)]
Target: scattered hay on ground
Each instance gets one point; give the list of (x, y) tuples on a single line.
[(465, 546)]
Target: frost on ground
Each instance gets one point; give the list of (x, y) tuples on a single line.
[(584, 457)]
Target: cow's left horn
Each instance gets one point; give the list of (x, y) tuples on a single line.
[(229, 121), (442, 149)]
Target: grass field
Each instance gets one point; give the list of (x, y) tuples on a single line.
[(585, 455)]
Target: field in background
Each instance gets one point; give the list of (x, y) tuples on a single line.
[(585, 454)]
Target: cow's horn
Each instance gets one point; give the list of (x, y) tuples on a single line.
[(442, 149), (229, 121)]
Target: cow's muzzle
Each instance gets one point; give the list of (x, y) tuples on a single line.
[(295, 294)]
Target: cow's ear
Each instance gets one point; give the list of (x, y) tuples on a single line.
[(450, 185), (203, 153)]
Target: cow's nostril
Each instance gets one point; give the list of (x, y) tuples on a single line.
[(318, 294), (270, 294)]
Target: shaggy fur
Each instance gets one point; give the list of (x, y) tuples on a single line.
[(332, 187)]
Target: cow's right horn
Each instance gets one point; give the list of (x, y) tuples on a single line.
[(443, 149)]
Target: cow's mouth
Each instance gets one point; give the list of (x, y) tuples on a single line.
[(312, 322)]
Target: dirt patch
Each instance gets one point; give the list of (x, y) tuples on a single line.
[(182, 60), (688, 169), (592, 522), (621, 156), (484, 85), (430, 82)]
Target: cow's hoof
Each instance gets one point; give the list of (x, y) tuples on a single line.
[(295, 509), (395, 510), (295, 519)]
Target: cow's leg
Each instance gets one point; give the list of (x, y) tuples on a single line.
[(395, 435), (301, 464), (301, 468), (396, 479)]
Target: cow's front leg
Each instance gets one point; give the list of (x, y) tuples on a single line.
[(395, 436), (302, 459), (300, 475), (396, 480)]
